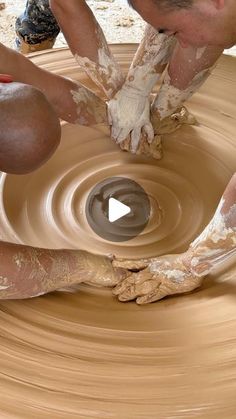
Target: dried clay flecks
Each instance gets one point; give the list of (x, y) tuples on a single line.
[(86, 354)]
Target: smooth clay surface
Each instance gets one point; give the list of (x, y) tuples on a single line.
[(86, 355)]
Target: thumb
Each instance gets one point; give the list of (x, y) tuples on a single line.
[(123, 134), (121, 274), (149, 131), (135, 139), (111, 277), (109, 115)]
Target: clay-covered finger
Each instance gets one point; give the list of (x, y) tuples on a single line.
[(114, 276), (115, 132), (123, 134), (165, 288), (143, 145), (152, 297), (120, 275), (125, 145), (147, 299), (135, 139), (149, 132), (130, 264), (110, 279), (137, 290), (109, 116), (121, 287), (130, 282), (136, 279)]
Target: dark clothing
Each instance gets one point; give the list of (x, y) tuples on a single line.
[(37, 23)]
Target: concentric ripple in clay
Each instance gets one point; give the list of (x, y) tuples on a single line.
[(86, 355)]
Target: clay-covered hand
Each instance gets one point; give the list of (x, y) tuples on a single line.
[(99, 271), (129, 113), (156, 278), (153, 150), (94, 270), (77, 104), (172, 122)]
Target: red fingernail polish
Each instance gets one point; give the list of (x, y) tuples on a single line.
[(6, 78)]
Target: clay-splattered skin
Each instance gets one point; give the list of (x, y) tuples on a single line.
[(148, 65), (157, 278), (30, 272), (105, 72), (71, 101), (129, 111), (187, 71), (129, 105), (218, 240), (88, 45), (170, 98), (91, 110), (175, 274), (182, 80), (172, 122)]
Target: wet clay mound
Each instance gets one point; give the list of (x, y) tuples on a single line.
[(86, 355)]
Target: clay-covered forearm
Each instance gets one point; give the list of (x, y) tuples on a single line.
[(187, 63), (28, 272), (150, 60), (188, 69), (71, 101), (88, 44), (217, 242)]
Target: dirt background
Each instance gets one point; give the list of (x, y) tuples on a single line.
[(120, 23)]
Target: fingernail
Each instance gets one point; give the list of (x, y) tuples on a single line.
[(141, 300), (115, 290), (122, 273), (123, 298)]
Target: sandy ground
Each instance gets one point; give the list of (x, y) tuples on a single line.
[(120, 23)]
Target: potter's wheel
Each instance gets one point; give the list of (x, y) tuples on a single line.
[(86, 355)]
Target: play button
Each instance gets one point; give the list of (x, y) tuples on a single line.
[(117, 209)]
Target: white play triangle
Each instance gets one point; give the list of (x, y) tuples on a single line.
[(117, 210)]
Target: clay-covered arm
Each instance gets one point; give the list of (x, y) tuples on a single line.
[(27, 272), (218, 240), (88, 44), (70, 100), (175, 274), (129, 111), (150, 60), (187, 71)]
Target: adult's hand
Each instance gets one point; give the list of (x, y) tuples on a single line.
[(156, 279), (98, 270), (129, 114)]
